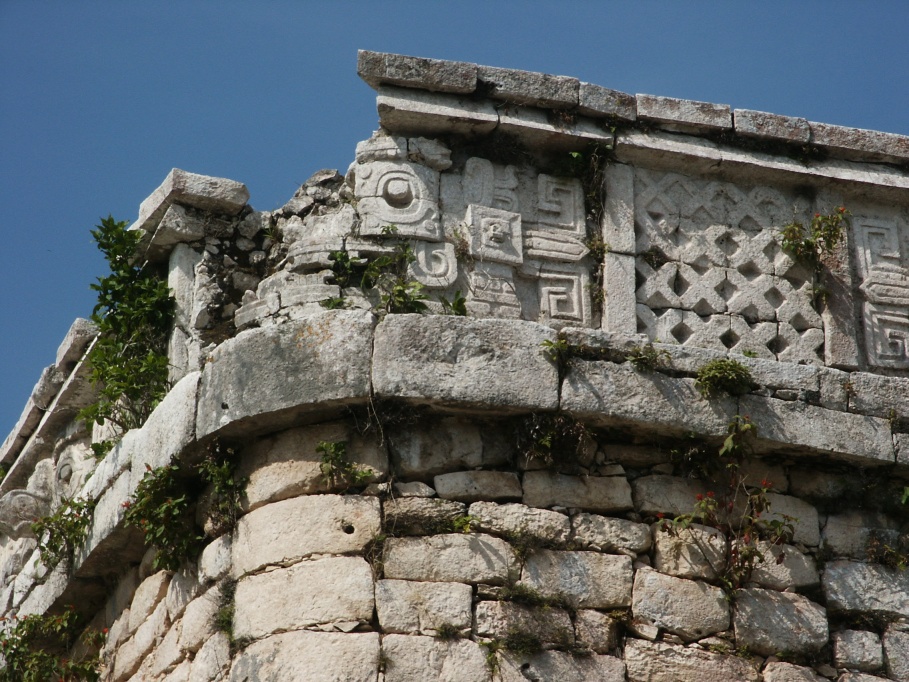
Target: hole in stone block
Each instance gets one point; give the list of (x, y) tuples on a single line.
[(679, 284), (749, 224), (700, 265), (681, 332), (641, 326), (751, 314), (774, 297), (347, 528), (727, 244), (799, 323), (771, 251), (726, 289), (703, 307), (749, 270), (777, 345), (729, 338)]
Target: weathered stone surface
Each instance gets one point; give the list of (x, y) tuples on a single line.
[(618, 216), (421, 515), (199, 619), (804, 519), (421, 608), (526, 87), (310, 656), (847, 436), (768, 622), (683, 114), (860, 144), (462, 361), (607, 393), (471, 486), (851, 586), (498, 619), (658, 662), (288, 463), (694, 552), (183, 588), (794, 570), (669, 495), (466, 558), (607, 494), (687, 608), (214, 563), (81, 333), (177, 226), (212, 660), (771, 126), (520, 520), (168, 653), (586, 579), (619, 305), (847, 534), (812, 484), (896, 653), (597, 101), (596, 630), (333, 590), (426, 658), (609, 535), (218, 195), (858, 650), (130, 655), (448, 444), (378, 68), (416, 112), (149, 594), (558, 665), (287, 531), (777, 671), (322, 359), (536, 128)]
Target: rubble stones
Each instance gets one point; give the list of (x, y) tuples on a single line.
[(422, 608), (858, 650), (608, 534), (658, 662), (584, 579), (687, 608), (467, 558), (767, 622), (516, 520), (852, 586), (594, 493)]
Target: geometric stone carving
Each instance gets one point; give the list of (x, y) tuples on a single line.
[(494, 235), (436, 266), (401, 194), (564, 296), (560, 204)]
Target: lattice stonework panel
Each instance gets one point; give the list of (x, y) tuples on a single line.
[(882, 244), (511, 240), (710, 271)]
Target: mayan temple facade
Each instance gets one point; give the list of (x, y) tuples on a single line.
[(555, 383)]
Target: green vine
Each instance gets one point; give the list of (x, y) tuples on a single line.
[(219, 468), (336, 469), (129, 358), (61, 533), (35, 649)]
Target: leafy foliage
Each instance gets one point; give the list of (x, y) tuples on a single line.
[(646, 358), (336, 469), (456, 306), (63, 531), (821, 237), (134, 310), (219, 468), (160, 508), (34, 649), (554, 439), (724, 376)]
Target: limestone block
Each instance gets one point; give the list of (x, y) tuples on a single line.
[(859, 144), (168, 653), (310, 656), (183, 588), (659, 662), (606, 494), (694, 552), (805, 520), (416, 112), (427, 658), (413, 489), (421, 515), (149, 594), (498, 619), (179, 674), (129, 656), (217, 195), (322, 360), (596, 630), (421, 608), (168, 430), (809, 483), (212, 660), (181, 277), (535, 128), (497, 364), (683, 114), (794, 570), (81, 333), (177, 226), (465, 558), (586, 579), (325, 591), (853, 437), (669, 495), (525, 87), (687, 608), (518, 520), (851, 586), (767, 622), (562, 666), (607, 534), (608, 393), (378, 68), (214, 563), (619, 306), (597, 101), (46, 387), (896, 653), (199, 619), (286, 531), (771, 126), (448, 444), (858, 650), (858, 677), (847, 534), (288, 463), (471, 486), (777, 671)]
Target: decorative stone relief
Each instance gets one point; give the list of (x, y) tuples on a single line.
[(882, 260), (711, 272), (399, 194)]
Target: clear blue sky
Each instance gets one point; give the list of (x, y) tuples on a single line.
[(101, 99)]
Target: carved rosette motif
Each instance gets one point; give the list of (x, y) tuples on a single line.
[(510, 239)]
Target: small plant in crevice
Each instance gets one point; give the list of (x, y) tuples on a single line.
[(35, 648), (647, 358), (724, 376), (522, 642), (61, 533), (890, 550), (219, 468), (448, 632), (128, 360), (808, 245), (456, 306), (463, 523), (161, 509), (555, 439), (374, 553), (337, 470), (224, 616)]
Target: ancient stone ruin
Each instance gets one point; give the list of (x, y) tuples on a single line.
[(555, 383)]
